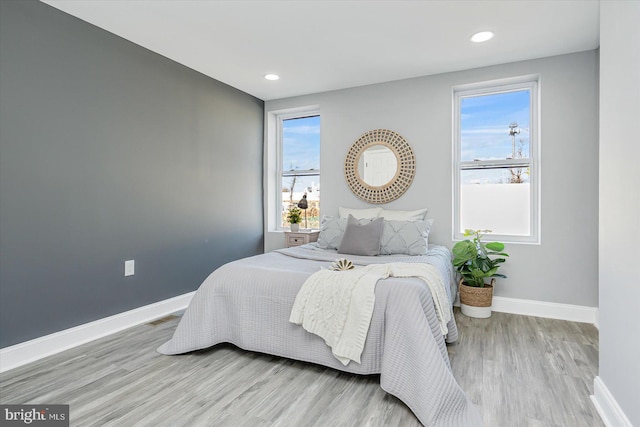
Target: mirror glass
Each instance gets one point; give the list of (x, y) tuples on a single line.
[(377, 165)]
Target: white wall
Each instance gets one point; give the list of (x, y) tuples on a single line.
[(620, 205), (563, 268)]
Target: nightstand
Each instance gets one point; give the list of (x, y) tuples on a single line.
[(300, 237)]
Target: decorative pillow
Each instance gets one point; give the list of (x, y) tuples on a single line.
[(361, 239), (331, 231), (359, 213), (405, 237), (417, 215)]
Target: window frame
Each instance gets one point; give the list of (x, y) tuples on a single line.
[(280, 172), (531, 83)]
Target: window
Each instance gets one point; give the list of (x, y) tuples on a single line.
[(299, 166), (495, 160)]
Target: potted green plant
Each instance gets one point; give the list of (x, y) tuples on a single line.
[(477, 262), (294, 216)]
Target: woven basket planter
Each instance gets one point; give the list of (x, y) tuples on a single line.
[(476, 302)]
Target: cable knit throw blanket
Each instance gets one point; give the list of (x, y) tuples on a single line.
[(337, 305)]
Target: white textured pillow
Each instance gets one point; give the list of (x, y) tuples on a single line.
[(331, 231), (405, 237), (369, 213), (390, 215)]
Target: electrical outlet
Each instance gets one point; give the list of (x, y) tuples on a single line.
[(129, 267)]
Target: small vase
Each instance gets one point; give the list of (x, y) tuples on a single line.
[(295, 228)]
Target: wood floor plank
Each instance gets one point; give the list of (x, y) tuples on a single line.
[(519, 370)]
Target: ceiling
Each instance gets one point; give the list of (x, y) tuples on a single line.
[(317, 46)]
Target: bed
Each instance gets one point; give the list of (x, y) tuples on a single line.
[(248, 303)]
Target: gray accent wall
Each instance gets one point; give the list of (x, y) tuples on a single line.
[(110, 152), (564, 267)]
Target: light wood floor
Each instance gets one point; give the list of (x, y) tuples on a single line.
[(519, 370)]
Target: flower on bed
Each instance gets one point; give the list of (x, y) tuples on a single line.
[(342, 264)]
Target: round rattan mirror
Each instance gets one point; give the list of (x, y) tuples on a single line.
[(369, 168)]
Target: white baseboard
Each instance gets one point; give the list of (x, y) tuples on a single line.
[(36, 349), (550, 310), (607, 406)]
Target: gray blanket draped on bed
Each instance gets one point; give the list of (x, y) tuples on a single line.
[(248, 303)]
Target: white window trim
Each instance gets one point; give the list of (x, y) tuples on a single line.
[(273, 163), (532, 83)]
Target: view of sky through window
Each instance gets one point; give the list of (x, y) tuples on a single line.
[(485, 121), (301, 143)]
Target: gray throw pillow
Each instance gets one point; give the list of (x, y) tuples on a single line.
[(331, 231), (362, 239)]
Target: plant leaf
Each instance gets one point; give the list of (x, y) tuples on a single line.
[(498, 253), (495, 246)]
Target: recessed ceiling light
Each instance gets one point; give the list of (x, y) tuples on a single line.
[(482, 36), (271, 76)]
